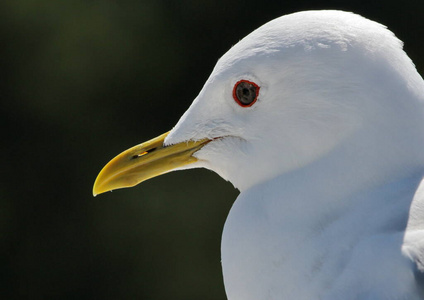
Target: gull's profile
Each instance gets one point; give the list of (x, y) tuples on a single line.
[(318, 119)]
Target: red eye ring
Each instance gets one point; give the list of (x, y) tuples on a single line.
[(245, 93)]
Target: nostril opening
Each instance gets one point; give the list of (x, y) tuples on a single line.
[(142, 154)]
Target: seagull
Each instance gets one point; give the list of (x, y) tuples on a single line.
[(317, 117)]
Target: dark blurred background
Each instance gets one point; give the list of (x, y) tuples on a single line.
[(80, 81)]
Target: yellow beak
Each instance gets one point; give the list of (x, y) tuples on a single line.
[(144, 161)]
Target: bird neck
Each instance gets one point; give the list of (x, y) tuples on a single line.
[(343, 182), (311, 226)]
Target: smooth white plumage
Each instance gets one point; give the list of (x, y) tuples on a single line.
[(328, 160)]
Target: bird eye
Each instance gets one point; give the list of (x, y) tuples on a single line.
[(245, 93)]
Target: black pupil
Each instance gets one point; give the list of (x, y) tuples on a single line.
[(246, 92)]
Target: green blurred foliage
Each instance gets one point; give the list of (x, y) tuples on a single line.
[(82, 81)]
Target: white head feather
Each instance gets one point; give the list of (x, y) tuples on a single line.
[(329, 81)]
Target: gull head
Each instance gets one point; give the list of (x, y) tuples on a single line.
[(287, 95)]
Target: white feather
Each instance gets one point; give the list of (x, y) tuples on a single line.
[(328, 160)]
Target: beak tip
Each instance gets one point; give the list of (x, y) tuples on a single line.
[(97, 190), (100, 189)]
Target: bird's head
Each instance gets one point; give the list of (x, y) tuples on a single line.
[(289, 93)]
